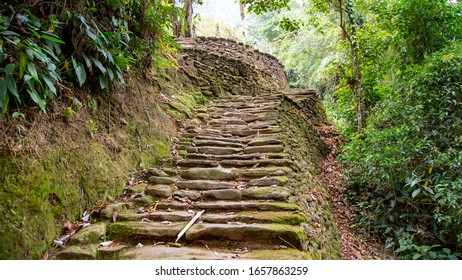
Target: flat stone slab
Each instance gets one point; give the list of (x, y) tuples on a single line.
[(209, 173), (172, 253), (84, 252), (255, 162), (227, 206), (197, 163), (276, 193), (269, 181), (252, 233), (265, 141), (239, 156), (217, 150), (264, 149), (134, 232), (90, 234), (157, 216), (256, 217), (230, 194), (162, 191), (216, 143), (161, 180), (203, 185)]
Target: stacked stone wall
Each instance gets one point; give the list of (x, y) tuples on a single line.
[(224, 67)]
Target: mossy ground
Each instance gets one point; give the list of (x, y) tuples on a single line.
[(67, 166)]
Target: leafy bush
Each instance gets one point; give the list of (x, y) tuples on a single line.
[(407, 170), (101, 41)]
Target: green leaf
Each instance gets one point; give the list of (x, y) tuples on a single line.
[(9, 69), (110, 74), (53, 39), (103, 82), (37, 99), (50, 85), (99, 65), (79, 71), (429, 190), (22, 64), (35, 33), (4, 97), (87, 61), (9, 33), (31, 69), (415, 193)]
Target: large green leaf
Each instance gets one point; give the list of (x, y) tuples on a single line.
[(80, 72), (50, 85), (4, 97), (103, 82), (53, 39)]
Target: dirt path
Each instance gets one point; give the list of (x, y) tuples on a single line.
[(354, 245)]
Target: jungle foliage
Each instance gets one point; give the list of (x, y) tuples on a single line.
[(48, 46), (404, 165)]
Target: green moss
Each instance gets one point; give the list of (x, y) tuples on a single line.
[(286, 218), (288, 254)]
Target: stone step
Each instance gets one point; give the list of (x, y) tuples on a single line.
[(227, 121), (204, 185), (197, 136), (264, 141), (216, 143), (212, 150), (265, 235), (232, 173), (264, 149), (229, 206), (197, 163), (257, 217), (254, 162), (239, 156), (260, 193)]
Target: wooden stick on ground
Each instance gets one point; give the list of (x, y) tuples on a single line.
[(189, 225)]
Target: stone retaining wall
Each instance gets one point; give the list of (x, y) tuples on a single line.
[(224, 67)]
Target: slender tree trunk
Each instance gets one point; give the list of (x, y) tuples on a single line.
[(143, 8), (188, 7), (360, 105)]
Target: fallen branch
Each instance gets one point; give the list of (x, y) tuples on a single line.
[(189, 225), (288, 243)]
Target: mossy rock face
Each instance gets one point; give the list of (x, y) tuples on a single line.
[(88, 235), (160, 191), (84, 252), (111, 252), (266, 193), (144, 201), (137, 189), (109, 210)]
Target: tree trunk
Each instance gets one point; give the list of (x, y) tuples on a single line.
[(188, 7)]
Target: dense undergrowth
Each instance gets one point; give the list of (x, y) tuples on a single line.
[(401, 61)]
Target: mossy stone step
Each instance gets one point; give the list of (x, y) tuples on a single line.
[(227, 206), (232, 173), (204, 185), (190, 137), (253, 162), (265, 141), (239, 156), (135, 232), (212, 150), (269, 181), (256, 217), (197, 163), (157, 216), (227, 121), (265, 235), (214, 143), (264, 149)]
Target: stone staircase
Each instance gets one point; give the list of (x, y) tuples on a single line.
[(231, 163)]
